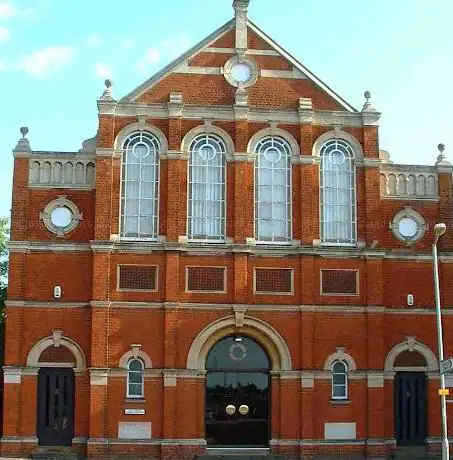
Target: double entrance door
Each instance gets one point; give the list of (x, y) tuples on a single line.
[(237, 408), (237, 394), (55, 406), (410, 408)]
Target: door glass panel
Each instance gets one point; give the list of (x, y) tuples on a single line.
[(237, 394), (237, 353)]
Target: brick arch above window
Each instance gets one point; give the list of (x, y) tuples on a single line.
[(274, 132), (135, 353), (338, 134), (340, 355), (208, 128), (142, 127)]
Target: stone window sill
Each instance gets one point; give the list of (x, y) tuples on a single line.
[(340, 402), (134, 400)]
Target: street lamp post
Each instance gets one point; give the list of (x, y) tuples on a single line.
[(439, 230)]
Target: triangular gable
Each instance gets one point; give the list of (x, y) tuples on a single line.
[(298, 65), (208, 41), (224, 38)]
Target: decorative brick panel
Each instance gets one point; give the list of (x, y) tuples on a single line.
[(339, 282), (210, 279), (273, 280), (137, 277)]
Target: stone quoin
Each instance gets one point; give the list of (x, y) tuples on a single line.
[(230, 263)]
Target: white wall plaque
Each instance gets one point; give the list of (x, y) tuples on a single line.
[(134, 430), (339, 431), (134, 411)]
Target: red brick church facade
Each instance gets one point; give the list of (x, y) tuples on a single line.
[(230, 263)]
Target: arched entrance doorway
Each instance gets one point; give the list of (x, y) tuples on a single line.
[(411, 362), (237, 393)]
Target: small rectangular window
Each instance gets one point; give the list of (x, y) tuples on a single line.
[(339, 282), (137, 277), (274, 280), (206, 279)]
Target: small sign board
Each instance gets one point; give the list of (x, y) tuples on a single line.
[(134, 411), (446, 365), (445, 392)]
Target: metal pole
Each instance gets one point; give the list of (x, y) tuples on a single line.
[(440, 344)]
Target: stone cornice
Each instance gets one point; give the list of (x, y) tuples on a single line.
[(140, 305), (44, 304), (228, 113), (147, 247), (27, 246)]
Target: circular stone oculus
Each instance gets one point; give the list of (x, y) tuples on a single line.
[(61, 217), (241, 72), (408, 227)]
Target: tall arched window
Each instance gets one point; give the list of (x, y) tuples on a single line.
[(273, 190), (339, 380), (135, 381), (206, 194), (140, 186), (338, 201)]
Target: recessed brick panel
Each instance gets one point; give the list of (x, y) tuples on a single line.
[(206, 279), (342, 282), (137, 277), (56, 355), (270, 280)]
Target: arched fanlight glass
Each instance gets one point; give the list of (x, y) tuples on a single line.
[(338, 197), (206, 189), (135, 381), (140, 186), (273, 190), (339, 380)]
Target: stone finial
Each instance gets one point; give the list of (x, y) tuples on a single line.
[(442, 157), (241, 4), (240, 14), (23, 145), (384, 156), (367, 107), (107, 94)]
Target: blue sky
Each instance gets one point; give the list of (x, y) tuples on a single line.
[(55, 55)]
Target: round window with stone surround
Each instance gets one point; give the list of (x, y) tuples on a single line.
[(61, 216), (241, 71), (408, 226)]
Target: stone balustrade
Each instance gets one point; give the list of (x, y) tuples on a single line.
[(409, 182), (62, 170)]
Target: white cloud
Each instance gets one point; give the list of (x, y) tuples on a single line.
[(128, 44), (7, 10), (102, 70), (41, 62), (152, 55), (5, 34), (2, 65), (94, 40)]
